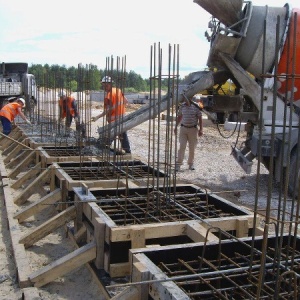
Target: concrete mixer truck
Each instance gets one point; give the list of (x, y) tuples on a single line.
[(258, 49)]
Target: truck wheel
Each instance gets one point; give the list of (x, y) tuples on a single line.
[(294, 175)]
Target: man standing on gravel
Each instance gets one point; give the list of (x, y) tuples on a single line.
[(189, 117), (114, 108)]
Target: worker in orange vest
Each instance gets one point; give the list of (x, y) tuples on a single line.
[(114, 108), (9, 112), (68, 109)]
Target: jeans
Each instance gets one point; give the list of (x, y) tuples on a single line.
[(6, 125)]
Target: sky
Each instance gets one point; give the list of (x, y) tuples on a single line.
[(65, 32)]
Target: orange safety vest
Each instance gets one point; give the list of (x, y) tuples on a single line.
[(10, 111), (117, 101), (66, 106)]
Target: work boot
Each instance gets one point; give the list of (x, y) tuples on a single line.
[(191, 167), (177, 168)]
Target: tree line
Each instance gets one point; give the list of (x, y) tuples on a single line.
[(88, 78)]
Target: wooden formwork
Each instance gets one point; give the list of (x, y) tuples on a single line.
[(114, 241), (98, 238), (118, 178), (21, 241), (148, 280)]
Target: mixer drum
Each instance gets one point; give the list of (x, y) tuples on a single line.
[(289, 86)]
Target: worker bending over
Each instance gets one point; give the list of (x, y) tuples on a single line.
[(9, 112), (68, 109), (114, 108)]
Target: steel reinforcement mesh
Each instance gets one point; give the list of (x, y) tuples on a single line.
[(235, 270), (140, 206), (68, 151), (109, 170)]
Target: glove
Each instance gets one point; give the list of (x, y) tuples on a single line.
[(93, 119), (28, 122)]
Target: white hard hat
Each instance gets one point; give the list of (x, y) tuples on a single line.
[(22, 100), (62, 94), (196, 97), (106, 79)]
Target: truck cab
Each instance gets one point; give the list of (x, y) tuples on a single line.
[(16, 82)]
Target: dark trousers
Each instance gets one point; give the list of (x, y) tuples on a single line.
[(123, 137), (125, 142), (6, 125)]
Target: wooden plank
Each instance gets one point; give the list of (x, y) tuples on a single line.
[(160, 290), (228, 223), (242, 228), (30, 174), (32, 187), (18, 159), (118, 269), (49, 226), (64, 265), (21, 260), (88, 266), (21, 166), (11, 152), (140, 273), (130, 293), (12, 138), (159, 230), (80, 235), (138, 239), (197, 233), (38, 206), (99, 232), (7, 150)]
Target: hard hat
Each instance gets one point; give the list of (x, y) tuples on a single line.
[(61, 94), (22, 100), (106, 79), (196, 97)]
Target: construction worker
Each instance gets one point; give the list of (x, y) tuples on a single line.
[(190, 117), (68, 109), (114, 108), (9, 112)]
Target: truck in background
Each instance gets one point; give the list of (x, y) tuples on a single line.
[(16, 82), (258, 49)]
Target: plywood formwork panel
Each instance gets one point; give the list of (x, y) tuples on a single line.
[(228, 269), (119, 238)]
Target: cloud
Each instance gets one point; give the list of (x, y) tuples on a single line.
[(71, 32)]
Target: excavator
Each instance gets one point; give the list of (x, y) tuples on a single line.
[(258, 49)]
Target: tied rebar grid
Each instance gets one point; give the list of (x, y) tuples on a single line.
[(264, 272), (153, 206), (234, 273), (48, 127), (68, 151), (109, 170)]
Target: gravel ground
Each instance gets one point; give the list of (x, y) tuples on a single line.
[(215, 168)]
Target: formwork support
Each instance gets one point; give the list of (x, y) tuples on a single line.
[(27, 176), (64, 265), (49, 226), (38, 206), (23, 164), (33, 187)]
